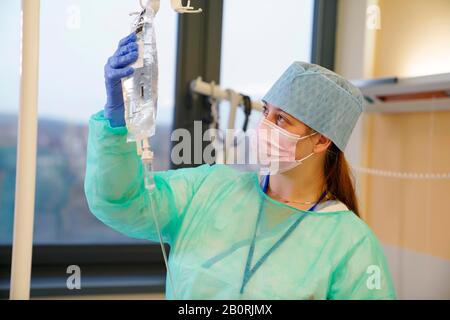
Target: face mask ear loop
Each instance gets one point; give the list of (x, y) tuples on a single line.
[(306, 137), (312, 153), (305, 158)]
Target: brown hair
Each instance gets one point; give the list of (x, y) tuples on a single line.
[(339, 179)]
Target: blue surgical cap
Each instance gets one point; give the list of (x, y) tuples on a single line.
[(319, 98)]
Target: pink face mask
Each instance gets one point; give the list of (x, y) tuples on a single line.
[(276, 147)]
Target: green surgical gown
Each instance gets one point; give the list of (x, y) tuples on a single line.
[(208, 216)]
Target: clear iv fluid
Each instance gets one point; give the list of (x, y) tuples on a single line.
[(140, 90)]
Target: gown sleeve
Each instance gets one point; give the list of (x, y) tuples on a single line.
[(115, 190), (363, 273)]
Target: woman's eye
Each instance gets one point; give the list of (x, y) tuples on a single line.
[(280, 118), (265, 111)]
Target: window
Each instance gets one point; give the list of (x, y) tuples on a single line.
[(260, 40), (9, 106), (77, 37)]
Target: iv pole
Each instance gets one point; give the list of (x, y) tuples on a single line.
[(26, 153)]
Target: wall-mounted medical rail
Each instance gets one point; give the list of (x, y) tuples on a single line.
[(398, 95), (386, 95), (215, 92)]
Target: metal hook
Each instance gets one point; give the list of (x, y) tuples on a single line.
[(154, 4), (178, 7)]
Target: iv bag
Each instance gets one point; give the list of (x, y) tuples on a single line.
[(140, 90)]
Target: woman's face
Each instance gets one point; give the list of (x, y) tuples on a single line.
[(316, 143)]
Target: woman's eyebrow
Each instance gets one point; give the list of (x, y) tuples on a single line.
[(287, 115)]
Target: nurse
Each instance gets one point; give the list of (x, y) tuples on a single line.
[(294, 233)]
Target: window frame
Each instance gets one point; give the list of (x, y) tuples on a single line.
[(324, 33)]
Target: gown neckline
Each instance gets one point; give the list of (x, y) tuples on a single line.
[(256, 181)]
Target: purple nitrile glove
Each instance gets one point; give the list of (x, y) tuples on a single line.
[(118, 67)]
